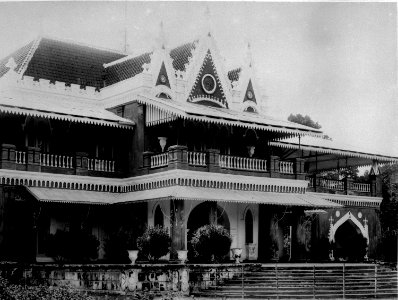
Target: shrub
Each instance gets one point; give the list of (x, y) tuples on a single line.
[(211, 243), (116, 246), (9, 291), (154, 243), (73, 246)]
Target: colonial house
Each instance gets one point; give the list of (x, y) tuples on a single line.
[(102, 140)]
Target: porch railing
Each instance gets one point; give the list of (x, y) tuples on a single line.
[(57, 161), (160, 160), (196, 158), (20, 157), (101, 165), (243, 163), (286, 167)]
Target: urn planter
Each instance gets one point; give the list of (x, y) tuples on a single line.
[(237, 253), (182, 255), (133, 254)]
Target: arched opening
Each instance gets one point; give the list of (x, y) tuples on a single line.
[(204, 214), (249, 227), (250, 109), (159, 220), (163, 95), (350, 244)]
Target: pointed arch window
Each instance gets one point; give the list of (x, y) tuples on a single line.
[(249, 227), (159, 220)]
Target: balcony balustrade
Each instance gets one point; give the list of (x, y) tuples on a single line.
[(56, 161), (332, 184), (20, 157), (159, 160), (196, 158), (102, 165), (345, 186), (243, 163), (286, 167), (361, 187), (33, 160), (178, 157)]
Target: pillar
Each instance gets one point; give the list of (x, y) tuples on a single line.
[(299, 168), (347, 185), (7, 156), (33, 159), (81, 159), (213, 160), (274, 166), (177, 227), (178, 157), (146, 163)]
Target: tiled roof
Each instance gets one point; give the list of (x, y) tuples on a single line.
[(226, 116), (233, 75), (181, 54), (64, 61), (126, 69), (180, 192), (19, 56), (130, 67), (72, 110), (323, 145), (70, 63)]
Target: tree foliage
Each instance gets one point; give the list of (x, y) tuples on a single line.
[(304, 120), (389, 212)]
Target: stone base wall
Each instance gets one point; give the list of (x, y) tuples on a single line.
[(123, 278)]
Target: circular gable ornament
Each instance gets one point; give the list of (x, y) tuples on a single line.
[(250, 95), (209, 84), (162, 79)]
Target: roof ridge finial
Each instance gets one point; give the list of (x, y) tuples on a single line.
[(207, 19), (162, 36), (249, 55), (11, 64)]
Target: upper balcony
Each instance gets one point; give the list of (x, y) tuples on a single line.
[(32, 159), (178, 157)]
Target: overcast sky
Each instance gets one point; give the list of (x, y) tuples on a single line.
[(336, 62)]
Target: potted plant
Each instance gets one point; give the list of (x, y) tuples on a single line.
[(211, 243), (154, 243)]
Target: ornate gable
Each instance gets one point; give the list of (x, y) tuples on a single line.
[(207, 88), (250, 95), (163, 79)]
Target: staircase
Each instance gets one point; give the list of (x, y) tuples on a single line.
[(306, 281)]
